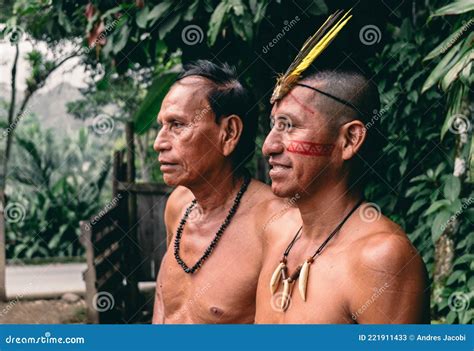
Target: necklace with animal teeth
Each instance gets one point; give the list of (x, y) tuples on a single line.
[(302, 271)]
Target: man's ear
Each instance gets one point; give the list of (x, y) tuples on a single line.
[(231, 130), (354, 134)]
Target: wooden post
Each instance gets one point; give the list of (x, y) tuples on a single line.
[(3, 261), (117, 172), (131, 254), (89, 275)]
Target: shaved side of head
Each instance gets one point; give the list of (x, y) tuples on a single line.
[(353, 85)]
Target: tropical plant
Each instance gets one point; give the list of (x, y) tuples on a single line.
[(54, 184), (454, 76)]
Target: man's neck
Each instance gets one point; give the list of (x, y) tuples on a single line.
[(323, 209), (216, 190)]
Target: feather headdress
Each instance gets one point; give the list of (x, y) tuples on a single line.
[(311, 49)]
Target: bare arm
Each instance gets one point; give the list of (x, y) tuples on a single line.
[(158, 309), (172, 209), (390, 284)]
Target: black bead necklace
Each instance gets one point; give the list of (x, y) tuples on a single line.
[(218, 235)]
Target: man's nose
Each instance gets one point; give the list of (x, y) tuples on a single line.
[(273, 143), (161, 142)]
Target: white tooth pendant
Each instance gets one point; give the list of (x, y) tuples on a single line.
[(275, 281), (303, 278), (285, 297), (288, 284)]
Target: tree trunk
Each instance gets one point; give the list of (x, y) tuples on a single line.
[(445, 246), (3, 176), (13, 120)]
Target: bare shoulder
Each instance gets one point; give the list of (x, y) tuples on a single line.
[(389, 274), (177, 200), (385, 246), (278, 217), (261, 196)]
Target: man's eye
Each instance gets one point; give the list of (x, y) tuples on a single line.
[(282, 124), (176, 124)]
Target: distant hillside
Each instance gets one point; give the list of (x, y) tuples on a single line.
[(50, 107)]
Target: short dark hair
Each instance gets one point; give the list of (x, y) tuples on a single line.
[(352, 82), (227, 96)]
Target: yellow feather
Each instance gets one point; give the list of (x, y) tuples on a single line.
[(316, 44), (321, 45)]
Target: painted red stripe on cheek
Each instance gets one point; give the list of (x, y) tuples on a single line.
[(309, 149)]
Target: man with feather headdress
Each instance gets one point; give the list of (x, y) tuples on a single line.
[(346, 262)]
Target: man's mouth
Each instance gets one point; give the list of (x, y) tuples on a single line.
[(277, 168), (167, 165)]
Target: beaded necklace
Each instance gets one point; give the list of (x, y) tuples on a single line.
[(218, 235)]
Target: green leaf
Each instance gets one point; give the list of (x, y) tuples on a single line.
[(142, 17), (436, 206), (243, 31), (403, 166), (451, 317), (455, 208), (259, 12), (466, 258), (216, 20), (456, 95), (440, 68), (452, 188), (471, 161), (439, 224), (317, 8), (237, 6), (416, 205), (158, 11), (123, 38), (453, 73), (189, 15), (149, 108), (447, 43), (470, 283), (168, 25), (455, 277), (455, 8)]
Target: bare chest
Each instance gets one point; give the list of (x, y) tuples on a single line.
[(326, 293), (223, 289)]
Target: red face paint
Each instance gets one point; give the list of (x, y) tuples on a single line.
[(310, 149), (303, 106)]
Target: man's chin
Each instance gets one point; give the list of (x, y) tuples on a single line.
[(171, 180), (281, 190)]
